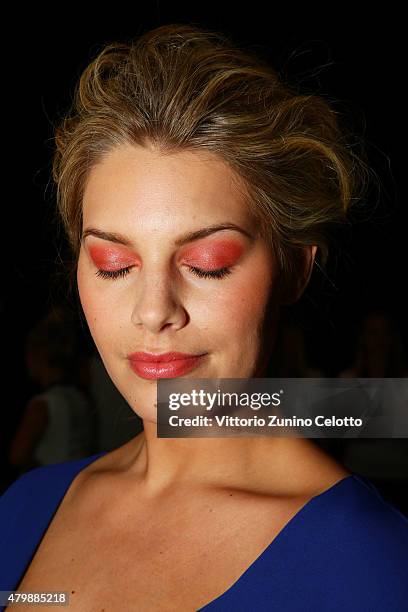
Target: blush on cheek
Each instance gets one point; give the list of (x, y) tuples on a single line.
[(111, 258), (220, 254)]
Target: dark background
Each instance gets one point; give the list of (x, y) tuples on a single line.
[(355, 61)]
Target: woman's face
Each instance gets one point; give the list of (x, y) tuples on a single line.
[(192, 275)]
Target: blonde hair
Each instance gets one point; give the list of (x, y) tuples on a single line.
[(179, 87)]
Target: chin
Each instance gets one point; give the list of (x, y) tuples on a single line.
[(145, 409)]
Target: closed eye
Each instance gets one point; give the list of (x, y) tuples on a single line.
[(113, 273), (221, 273), (210, 273)]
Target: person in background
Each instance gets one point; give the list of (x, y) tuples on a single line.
[(58, 423)]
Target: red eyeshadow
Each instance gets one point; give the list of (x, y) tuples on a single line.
[(111, 257), (211, 256)]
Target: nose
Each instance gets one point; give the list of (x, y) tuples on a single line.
[(158, 302)]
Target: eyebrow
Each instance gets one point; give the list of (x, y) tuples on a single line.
[(189, 237)]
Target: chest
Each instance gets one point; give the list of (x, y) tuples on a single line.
[(180, 560)]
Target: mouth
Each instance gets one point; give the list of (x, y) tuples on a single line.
[(165, 365)]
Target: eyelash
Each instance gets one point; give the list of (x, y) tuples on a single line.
[(218, 274)]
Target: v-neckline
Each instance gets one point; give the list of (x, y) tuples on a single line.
[(276, 540)]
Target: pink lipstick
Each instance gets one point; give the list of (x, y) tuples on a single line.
[(163, 365)]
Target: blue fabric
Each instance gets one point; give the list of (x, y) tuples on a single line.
[(346, 549)]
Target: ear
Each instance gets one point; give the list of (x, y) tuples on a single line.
[(303, 274)]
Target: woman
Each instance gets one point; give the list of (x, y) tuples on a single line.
[(195, 189), (58, 423)]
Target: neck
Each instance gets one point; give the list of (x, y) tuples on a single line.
[(168, 464)]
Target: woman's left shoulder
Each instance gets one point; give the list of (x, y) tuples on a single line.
[(359, 507), (346, 549), (366, 531), (357, 542)]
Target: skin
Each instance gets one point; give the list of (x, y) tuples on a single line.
[(173, 523), (161, 305)]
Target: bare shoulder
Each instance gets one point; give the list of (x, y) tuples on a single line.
[(117, 460), (94, 482), (297, 467)]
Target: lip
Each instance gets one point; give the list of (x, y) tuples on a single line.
[(159, 357), (163, 365)]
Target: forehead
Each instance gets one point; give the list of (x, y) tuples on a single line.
[(147, 189)]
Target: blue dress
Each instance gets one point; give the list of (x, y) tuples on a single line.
[(345, 550)]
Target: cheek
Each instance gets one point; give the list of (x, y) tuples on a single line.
[(237, 308), (96, 309)]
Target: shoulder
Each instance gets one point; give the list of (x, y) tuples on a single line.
[(23, 487), (39, 487), (347, 549), (26, 509), (355, 520), (375, 523), (363, 539), (28, 505), (295, 468)]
